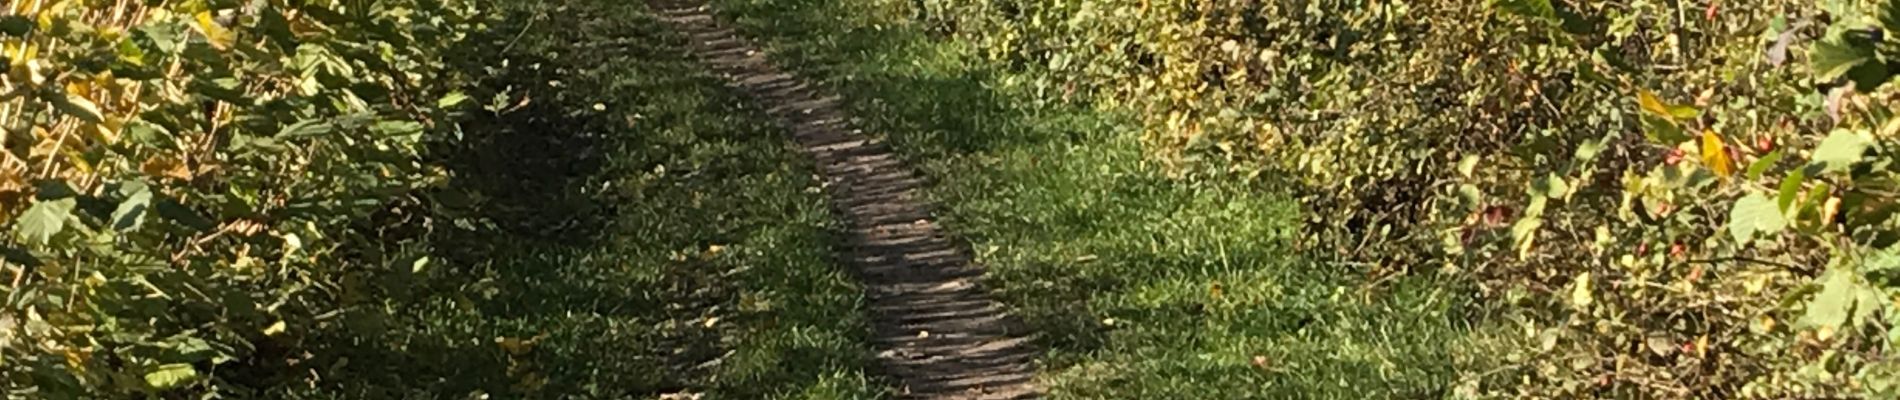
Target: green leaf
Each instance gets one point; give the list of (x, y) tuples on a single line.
[(1524, 234), (1830, 307), (1840, 150), (1558, 187), (225, 89), (170, 376), (1889, 16), (145, 133), (1580, 291), (166, 38), (246, 144), (1684, 112), (1754, 214), (306, 128), (176, 212), (1762, 165), (130, 53), (131, 213), (397, 127), (15, 25), (1790, 188), (19, 256), (451, 100), (1662, 130), (79, 107), (1834, 58), (1472, 198), (1587, 151), (1868, 77), (43, 220)]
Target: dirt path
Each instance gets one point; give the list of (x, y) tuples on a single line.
[(939, 333)]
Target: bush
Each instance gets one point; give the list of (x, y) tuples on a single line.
[(1673, 199), (190, 185)]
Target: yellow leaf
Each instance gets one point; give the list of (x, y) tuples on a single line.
[(216, 34), (1830, 208), (274, 329), (1580, 294), (1715, 154), (1649, 102), (77, 159), (107, 131)]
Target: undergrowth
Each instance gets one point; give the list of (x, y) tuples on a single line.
[(625, 227)]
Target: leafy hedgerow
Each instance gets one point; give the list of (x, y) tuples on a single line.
[(181, 181), (1661, 199)]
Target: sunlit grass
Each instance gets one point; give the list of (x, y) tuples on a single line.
[(1141, 286)]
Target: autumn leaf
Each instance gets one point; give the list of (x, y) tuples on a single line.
[(1650, 103), (1715, 155), (163, 166), (219, 37)]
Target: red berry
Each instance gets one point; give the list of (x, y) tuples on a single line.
[(1495, 215), (1674, 156)]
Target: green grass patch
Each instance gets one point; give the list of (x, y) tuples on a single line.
[(1140, 285), (624, 227)]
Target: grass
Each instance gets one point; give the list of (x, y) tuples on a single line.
[(625, 228), (1141, 286)]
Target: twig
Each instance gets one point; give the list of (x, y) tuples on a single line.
[(1741, 259), (518, 35)]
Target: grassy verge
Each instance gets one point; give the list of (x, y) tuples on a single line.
[(625, 228), (1142, 286)]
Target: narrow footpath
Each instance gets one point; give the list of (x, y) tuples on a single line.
[(939, 333)]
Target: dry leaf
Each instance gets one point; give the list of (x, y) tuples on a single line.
[(163, 166)]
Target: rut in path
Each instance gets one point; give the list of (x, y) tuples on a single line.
[(939, 333)]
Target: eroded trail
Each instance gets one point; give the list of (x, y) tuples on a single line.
[(939, 333)]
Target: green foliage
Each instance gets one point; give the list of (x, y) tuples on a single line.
[(168, 236), (1138, 285), (1754, 214), (1576, 162), (620, 226)]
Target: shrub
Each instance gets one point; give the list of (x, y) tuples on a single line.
[(187, 183), (1659, 199)]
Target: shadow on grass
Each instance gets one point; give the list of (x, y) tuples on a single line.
[(527, 293), (1141, 286), (617, 226)]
